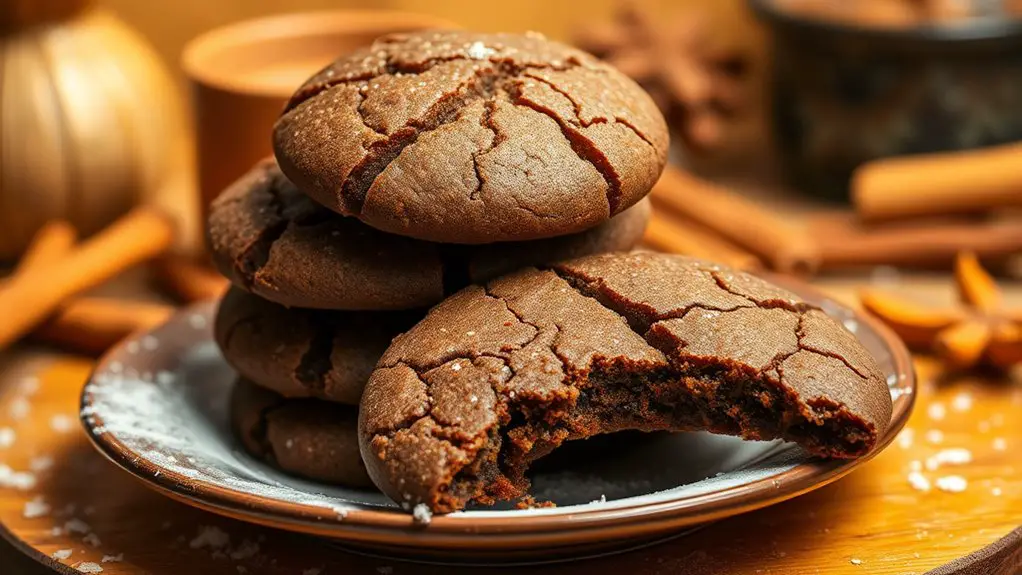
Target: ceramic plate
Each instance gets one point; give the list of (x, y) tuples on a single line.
[(156, 406)]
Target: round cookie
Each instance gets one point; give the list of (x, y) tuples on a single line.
[(272, 240), (305, 437), (606, 343), (472, 138), (304, 353)]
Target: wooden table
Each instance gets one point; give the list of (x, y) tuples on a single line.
[(873, 521)]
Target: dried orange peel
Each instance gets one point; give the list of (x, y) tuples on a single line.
[(980, 332)]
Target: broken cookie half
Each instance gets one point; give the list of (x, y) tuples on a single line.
[(496, 377)]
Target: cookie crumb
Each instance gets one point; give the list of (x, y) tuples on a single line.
[(61, 554), (855, 561), (37, 507), (113, 558), (89, 567), (421, 514), (952, 483), (92, 539)]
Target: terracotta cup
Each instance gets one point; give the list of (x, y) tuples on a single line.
[(242, 75)]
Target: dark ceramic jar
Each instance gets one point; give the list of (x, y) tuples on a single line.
[(843, 95)]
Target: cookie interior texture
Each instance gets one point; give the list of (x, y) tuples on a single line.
[(305, 353), (270, 239), (305, 437), (498, 376), (462, 137)]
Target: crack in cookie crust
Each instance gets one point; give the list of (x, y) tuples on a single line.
[(345, 135), (624, 341)]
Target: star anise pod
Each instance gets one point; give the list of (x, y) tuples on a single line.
[(698, 87), (979, 332)]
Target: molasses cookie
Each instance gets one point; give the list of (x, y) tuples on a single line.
[(272, 240), (471, 138), (498, 376), (304, 353), (305, 437)]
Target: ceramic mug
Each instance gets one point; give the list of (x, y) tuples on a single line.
[(241, 75)]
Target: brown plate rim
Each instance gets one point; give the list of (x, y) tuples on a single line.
[(392, 526)]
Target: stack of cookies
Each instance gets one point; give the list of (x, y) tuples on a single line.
[(405, 172)]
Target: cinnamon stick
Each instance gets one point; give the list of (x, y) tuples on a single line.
[(92, 325), (844, 242), (939, 184), (52, 241), (188, 280), (737, 219), (29, 297), (670, 234)]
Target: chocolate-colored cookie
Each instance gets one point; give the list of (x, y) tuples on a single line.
[(304, 353), (272, 240), (472, 138), (306, 437), (600, 344)]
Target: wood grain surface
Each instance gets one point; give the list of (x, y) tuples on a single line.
[(874, 521)]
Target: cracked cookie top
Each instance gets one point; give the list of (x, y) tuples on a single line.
[(600, 344), (304, 353), (270, 239), (471, 138)]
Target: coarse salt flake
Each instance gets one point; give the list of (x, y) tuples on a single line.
[(212, 537), (479, 51), (1000, 444), (61, 423), (92, 539), (855, 561), (456, 367), (962, 402), (421, 514), (61, 554), (113, 558), (7, 437), (16, 479), (19, 408), (36, 507), (89, 567), (906, 437), (935, 436), (918, 481), (41, 463), (950, 456), (996, 492), (76, 526), (952, 483), (936, 411)]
